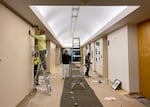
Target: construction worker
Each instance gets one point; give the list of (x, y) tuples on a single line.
[(41, 38), (88, 62), (65, 61)]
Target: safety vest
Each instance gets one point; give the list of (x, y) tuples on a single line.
[(36, 60)]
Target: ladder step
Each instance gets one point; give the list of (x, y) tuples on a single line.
[(76, 69), (74, 76), (42, 77), (76, 49)]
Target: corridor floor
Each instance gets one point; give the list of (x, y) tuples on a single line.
[(107, 96)]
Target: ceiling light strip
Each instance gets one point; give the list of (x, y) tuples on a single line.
[(75, 12)]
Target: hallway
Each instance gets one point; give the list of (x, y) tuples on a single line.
[(102, 90), (115, 34)]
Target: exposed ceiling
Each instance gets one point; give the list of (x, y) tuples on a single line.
[(95, 17)]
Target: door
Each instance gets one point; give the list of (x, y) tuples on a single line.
[(144, 57)]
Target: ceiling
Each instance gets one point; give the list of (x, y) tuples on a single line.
[(88, 21), (95, 18)]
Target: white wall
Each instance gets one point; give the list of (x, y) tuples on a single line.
[(122, 64), (118, 57), (16, 67), (99, 57)]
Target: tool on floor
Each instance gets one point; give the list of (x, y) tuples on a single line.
[(46, 78)]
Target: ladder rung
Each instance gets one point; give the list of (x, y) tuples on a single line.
[(76, 49), (77, 56), (77, 83), (76, 44), (76, 69), (76, 62), (77, 76)]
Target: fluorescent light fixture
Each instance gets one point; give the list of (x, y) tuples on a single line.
[(75, 12)]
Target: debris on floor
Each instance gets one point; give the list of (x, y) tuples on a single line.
[(99, 81), (109, 98), (75, 104), (71, 92), (96, 81)]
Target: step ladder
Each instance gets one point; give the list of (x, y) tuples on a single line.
[(76, 68), (46, 78)]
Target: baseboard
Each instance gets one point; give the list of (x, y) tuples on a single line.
[(27, 98), (133, 93)]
